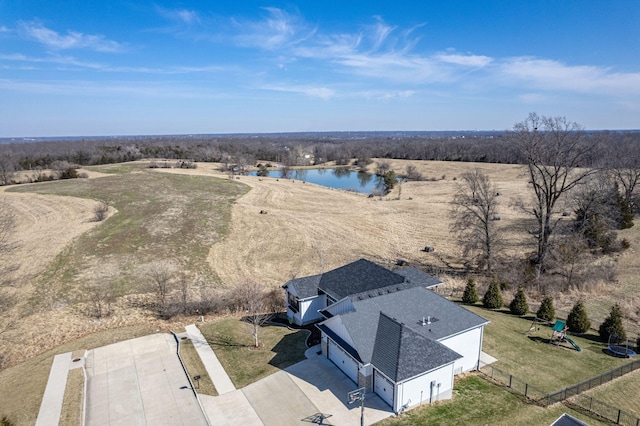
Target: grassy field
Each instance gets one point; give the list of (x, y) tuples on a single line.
[(479, 402), (160, 217), (612, 393), (194, 366), (233, 344), (71, 414), (532, 359)]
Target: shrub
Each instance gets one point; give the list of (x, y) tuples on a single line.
[(613, 325), (546, 310), (69, 173), (493, 298), (470, 295), (518, 305), (577, 320), (6, 422)]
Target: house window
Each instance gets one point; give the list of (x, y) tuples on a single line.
[(293, 303)]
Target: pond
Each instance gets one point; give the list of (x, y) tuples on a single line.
[(338, 178)]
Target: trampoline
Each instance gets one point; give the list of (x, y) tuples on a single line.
[(620, 347), (621, 351)]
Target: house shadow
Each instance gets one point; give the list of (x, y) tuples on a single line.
[(323, 376), (288, 350)]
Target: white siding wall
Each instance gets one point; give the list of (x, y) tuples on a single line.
[(335, 324), (342, 307), (468, 345), (309, 308), (413, 391)]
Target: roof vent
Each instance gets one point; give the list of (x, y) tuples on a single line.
[(428, 320)]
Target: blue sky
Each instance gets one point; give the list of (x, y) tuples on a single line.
[(114, 67)]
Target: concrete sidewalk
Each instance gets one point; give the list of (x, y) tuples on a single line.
[(51, 405), (216, 372)]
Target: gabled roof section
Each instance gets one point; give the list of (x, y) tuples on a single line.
[(416, 276), (304, 287), (361, 276), (401, 353)]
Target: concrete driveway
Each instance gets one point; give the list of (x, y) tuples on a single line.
[(301, 394), (139, 382)]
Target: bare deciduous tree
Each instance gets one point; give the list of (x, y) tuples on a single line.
[(100, 211), (255, 302), (558, 155), (475, 208), (162, 277), (100, 295)]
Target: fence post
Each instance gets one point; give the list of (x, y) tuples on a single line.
[(510, 379), (526, 389), (618, 421)]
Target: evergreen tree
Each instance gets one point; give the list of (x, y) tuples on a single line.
[(518, 305), (470, 295), (613, 325), (577, 320), (493, 298), (546, 310)]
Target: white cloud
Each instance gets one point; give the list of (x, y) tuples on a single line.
[(311, 91), (464, 60), (279, 29), (72, 40), (553, 75), (184, 16), (4, 29)]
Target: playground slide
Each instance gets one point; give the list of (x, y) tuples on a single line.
[(573, 344)]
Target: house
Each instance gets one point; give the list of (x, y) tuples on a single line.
[(389, 331)]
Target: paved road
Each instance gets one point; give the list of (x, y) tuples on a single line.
[(139, 382)]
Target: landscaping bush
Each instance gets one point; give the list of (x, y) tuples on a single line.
[(546, 310), (470, 295), (577, 320), (518, 305), (493, 298), (613, 325)]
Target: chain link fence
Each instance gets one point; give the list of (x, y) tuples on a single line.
[(572, 393)]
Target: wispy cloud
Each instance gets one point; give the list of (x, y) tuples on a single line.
[(66, 62), (158, 89), (36, 31), (183, 16), (311, 91), (278, 29), (4, 29), (545, 74)]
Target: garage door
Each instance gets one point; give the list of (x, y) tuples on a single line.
[(343, 360), (383, 387)]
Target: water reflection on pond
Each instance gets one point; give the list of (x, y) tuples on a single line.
[(338, 178)]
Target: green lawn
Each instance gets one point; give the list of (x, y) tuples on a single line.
[(623, 393), (479, 402), (233, 344), (195, 367), (161, 217), (532, 359)]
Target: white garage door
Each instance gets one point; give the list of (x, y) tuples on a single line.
[(343, 360), (383, 387)]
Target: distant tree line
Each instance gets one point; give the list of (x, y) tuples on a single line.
[(291, 149)]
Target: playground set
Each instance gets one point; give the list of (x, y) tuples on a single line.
[(558, 332)]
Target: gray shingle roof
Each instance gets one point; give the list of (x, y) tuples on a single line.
[(357, 277), (407, 307), (401, 353), (305, 286), (360, 280)]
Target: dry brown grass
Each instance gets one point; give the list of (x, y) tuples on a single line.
[(307, 229), (71, 414)]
